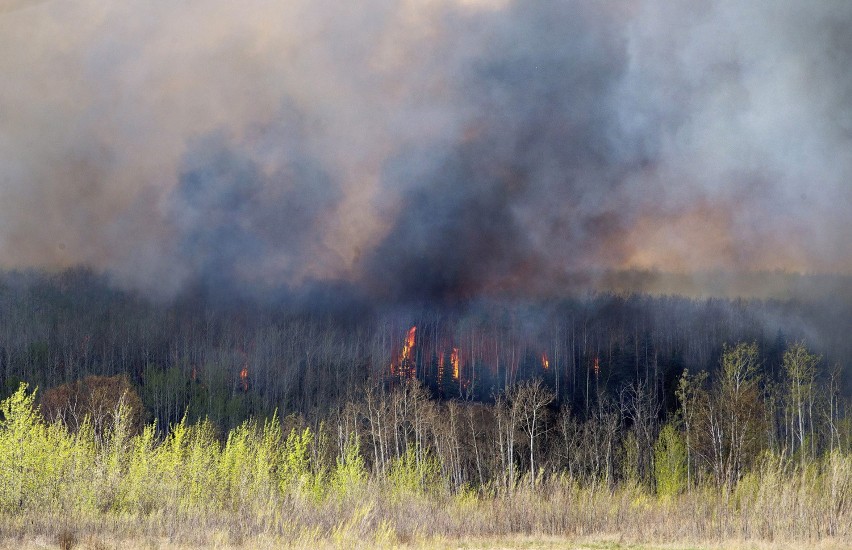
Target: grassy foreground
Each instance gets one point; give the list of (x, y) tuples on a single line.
[(264, 488), (508, 543)]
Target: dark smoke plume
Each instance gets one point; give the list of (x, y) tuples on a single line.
[(439, 149)]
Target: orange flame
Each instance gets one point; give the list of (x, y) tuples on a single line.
[(405, 366), (545, 362), (244, 377), (597, 367), (408, 348), (454, 361)]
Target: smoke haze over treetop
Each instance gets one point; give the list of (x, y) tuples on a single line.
[(439, 148)]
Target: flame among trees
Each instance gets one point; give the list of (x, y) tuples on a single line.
[(454, 361), (244, 377), (405, 366), (437, 359)]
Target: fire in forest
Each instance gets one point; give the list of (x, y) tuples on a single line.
[(459, 364), (405, 366), (244, 377), (454, 361)]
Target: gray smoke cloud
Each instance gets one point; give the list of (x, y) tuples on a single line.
[(429, 149)]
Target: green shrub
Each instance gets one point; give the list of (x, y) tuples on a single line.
[(670, 462), (295, 461), (350, 476), (409, 476)]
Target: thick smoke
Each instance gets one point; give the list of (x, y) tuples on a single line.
[(423, 149)]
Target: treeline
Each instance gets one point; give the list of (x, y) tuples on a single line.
[(720, 429), (227, 361)]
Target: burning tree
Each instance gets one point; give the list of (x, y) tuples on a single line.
[(405, 367)]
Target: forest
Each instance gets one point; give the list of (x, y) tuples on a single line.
[(685, 419)]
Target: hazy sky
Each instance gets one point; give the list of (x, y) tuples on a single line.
[(431, 147)]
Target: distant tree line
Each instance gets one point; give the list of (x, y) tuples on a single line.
[(230, 361)]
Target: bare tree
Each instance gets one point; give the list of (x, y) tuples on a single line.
[(800, 368), (529, 399), (640, 407), (692, 399)]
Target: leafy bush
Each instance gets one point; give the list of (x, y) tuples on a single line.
[(350, 476), (409, 476), (670, 462)]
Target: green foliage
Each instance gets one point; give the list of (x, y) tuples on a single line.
[(113, 455), (199, 472), (350, 476), (249, 462), (800, 367), (409, 476), (740, 366), (670, 462), (141, 491), (294, 471), (32, 454)]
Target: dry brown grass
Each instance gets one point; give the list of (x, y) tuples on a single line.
[(218, 541), (556, 514)]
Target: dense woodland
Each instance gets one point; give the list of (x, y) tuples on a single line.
[(630, 363), (146, 408), (228, 360)]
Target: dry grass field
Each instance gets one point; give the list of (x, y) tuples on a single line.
[(509, 543)]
